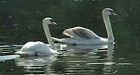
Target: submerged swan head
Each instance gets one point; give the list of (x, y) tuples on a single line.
[(109, 11), (49, 21)]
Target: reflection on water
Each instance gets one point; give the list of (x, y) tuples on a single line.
[(97, 60), (35, 65)]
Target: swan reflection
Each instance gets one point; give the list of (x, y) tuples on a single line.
[(88, 47), (88, 59), (36, 65), (109, 64), (35, 61)]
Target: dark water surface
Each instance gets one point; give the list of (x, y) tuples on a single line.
[(21, 21), (70, 61)]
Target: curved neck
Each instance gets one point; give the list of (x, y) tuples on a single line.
[(48, 35), (108, 27)]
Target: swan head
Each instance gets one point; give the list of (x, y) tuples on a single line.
[(109, 11), (49, 21)]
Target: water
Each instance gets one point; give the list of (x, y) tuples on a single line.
[(70, 61)]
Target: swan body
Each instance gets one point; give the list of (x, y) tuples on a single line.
[(84, 36), (36, 48), (73, 41), (40, 48)]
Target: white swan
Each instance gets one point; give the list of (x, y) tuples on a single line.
[(40, 48), (84, 36)]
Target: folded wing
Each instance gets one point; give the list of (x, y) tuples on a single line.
[(80, 32)]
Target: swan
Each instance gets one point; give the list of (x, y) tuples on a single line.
[(38, 47), (84, 36)]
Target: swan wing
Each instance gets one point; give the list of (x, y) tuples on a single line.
[(80, 32), (73, 41), (30, 48)]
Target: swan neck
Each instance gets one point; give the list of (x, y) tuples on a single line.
[(48, 35), (108, 27)]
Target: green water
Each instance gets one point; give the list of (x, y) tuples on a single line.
[(21, 21), (72, 60)]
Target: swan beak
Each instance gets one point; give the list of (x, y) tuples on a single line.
[(114, 14), (53, 23)]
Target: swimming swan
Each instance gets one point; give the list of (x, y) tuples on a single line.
[(84, 36), (40, 48)]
